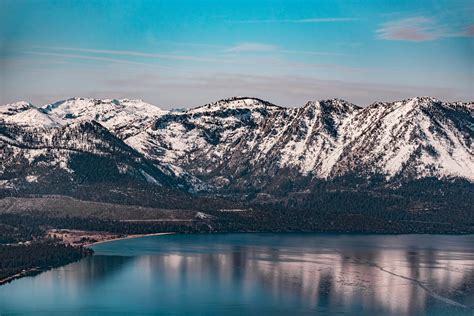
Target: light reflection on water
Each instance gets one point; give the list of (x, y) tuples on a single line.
[(259, 274)]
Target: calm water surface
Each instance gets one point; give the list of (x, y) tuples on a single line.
[(257, 274)]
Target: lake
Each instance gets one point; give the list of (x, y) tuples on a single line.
[(257, 274)]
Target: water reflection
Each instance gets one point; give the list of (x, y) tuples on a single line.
[(229, 274)]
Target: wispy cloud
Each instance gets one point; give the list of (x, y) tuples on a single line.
[(238, 48), (324, 20), (152, 39), (302, 52), (127, 53), (419, 29), (251, 47), (415, 29), (305, 20), (270, 59), (191, 44), (263, 47), (86, 57)]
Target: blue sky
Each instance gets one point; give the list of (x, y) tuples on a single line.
[(185, 53)]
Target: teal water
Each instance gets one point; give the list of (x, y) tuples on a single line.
[(257, 274)]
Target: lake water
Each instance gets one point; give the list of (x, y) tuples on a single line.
[(257, 274)]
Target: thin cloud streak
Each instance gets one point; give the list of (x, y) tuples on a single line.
[(240, 48), (263, 47), (307, 20), (112, 60), (252, 47), (326, 20), (190, 44), (136, 54), (311, 53)]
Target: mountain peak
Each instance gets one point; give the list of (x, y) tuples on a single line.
[(424, 99), (330, 105), (101, 109), (16, 107), (421, 101), (408, 104), (234, 103)]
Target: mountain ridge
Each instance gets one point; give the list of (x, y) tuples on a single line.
[(244, 143)]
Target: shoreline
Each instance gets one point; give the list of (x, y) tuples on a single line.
[(126, 237), (20, 275), (37, 270)]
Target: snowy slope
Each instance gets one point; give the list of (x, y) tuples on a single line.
[(212, 142), (25, 114), (75, 153), (124, 117), (314, 134), (417, 137)]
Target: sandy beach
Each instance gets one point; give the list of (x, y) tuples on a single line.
[(125, 237)]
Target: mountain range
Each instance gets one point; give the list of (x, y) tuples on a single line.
[(235, 144), (326, 166)]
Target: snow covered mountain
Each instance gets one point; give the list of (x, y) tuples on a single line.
[(79, 152), (25, 114), (419, 137), (236, 144), (122, 117)]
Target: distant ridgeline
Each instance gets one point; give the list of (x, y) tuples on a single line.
[(322, 166)]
